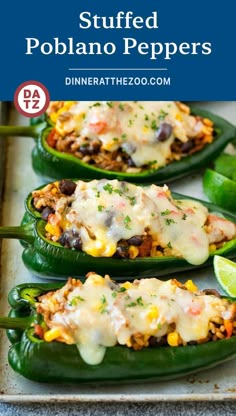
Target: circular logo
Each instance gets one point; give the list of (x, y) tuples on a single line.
[(31, 98)]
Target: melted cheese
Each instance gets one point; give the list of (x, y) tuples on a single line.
[(131, 125), (105, 212), (97, 315)]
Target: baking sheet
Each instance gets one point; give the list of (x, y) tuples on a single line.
[(214, 384)]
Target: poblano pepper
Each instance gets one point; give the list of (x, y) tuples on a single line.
[(42, 361), (52, 164), (46, 258)]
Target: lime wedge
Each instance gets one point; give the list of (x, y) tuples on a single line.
[(226, 165), (220, 190), (225, 271)]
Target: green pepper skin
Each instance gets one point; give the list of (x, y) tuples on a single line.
[(51, 164), (30, 356), (51, 260)]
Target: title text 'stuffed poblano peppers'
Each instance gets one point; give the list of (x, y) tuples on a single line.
[(150, 141), (127, 229), (103, 331)]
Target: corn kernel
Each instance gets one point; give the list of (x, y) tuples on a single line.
[(127, 285), (191, 286), (133, 252), (152, 313), (53, 117), (53, 230), (101, 248), (64, 224), (179, 117), (145, 129), (212, 247), (96, 279), (173, 339), (52, 334)]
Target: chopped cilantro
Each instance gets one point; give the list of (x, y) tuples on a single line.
[(131, 304), (130, 123), (166, 212), (100, 208), (103, 300), (162, 115), (97, 194), (124, 136), (140, 301), (169, 221), (118, 191), (96, 105), (132, 200), (121, 107), (122, 289), (115, 139), (184, 216), (127, 222), (102, 308), (75, 300), (110, 104), (169, 245), (146, 117), (108, 187), (154, 125)]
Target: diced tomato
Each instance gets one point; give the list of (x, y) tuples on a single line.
[(228, 324), (194, 309), (54, 219), (38, 330), (52, 138), (98, 127)]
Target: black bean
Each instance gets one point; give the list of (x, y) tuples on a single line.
[(96, 146), (90, 149), (109, 219), (164, 132), (192, 343), (77, 243), (46, 212), (131, 163), (213, 292), (136, 240), (67, 187), (186, 147), (71, 239), (157, 342), (122, 250)]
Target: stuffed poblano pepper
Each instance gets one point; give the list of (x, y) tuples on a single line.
[(101, 331), (73, 226), (150, 141)]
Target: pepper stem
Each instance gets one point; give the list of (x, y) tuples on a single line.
[(15, 323), (23, 131), (22, 232)]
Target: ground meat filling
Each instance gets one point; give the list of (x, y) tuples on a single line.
[(90, 148)]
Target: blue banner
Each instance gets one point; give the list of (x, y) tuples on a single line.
[(147, 50)]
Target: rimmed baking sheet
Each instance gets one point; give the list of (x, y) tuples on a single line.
[(215, 384)]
